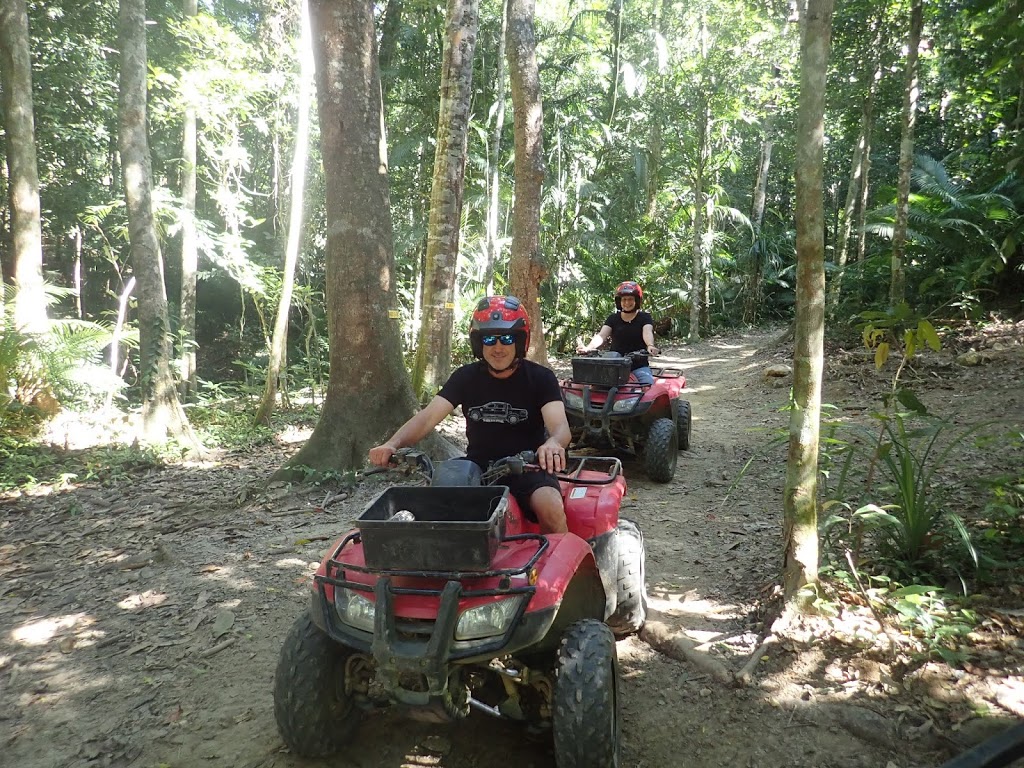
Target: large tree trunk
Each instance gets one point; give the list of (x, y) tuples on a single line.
[(800, 565), (434, 350), (492, 249), (162, 414), (369, 394), (278, 362), (22, 172), (898, 277), (189, 244), (526, 267)]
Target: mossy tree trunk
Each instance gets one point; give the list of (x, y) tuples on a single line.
[(800, 566)]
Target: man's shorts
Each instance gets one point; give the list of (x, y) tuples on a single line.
[(522, 487)]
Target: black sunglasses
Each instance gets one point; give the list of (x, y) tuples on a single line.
[(506, 338)]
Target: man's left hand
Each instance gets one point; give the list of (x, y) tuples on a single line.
[(551, 457)]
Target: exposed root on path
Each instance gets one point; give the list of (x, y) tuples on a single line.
[(675, 645)]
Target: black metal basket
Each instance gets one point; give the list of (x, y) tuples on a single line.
[(601, 371), (455, 528)]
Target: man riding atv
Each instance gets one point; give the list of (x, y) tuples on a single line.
[(508, 402)]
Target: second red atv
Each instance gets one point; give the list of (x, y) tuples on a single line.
[(446, 599), (608, 408)]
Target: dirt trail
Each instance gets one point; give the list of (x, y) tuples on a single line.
[(140, 624)]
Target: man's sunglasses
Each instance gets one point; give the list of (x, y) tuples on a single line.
[(506, 338)]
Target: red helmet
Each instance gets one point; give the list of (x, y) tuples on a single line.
[(496, 315), (629, 288)]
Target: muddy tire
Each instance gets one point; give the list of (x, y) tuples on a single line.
[(314, 715), (683, 424), (585, 720), (631, 592), (661, 450)]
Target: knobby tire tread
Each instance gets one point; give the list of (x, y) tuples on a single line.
[(313, 717), (586, 711)]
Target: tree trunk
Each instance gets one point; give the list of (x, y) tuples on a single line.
[(752, 305), (492, 249), (697, 243), (434, 349), (391, 29), (800, 565), (526, 268), (189, 245), (162, 414), (857, 165), (278, 362), (22, 171), (898, 278), (369, 394)]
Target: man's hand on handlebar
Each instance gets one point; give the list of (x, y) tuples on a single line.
[(380, 455), (551, 457)]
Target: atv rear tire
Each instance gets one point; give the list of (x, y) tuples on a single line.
[(631, 593), (683, 424), (661, 450), (585, 720), (315, 716)]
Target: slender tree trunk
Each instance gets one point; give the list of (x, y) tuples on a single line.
[(800, 565), (189, 245), (279, 343), (369, 394), (898, 278), (22, 171), (434, 350), (697, 245), (526, 267), (390, 32), (752, 305), (857, 167), (492, 249), (162, 414), (862, 207), (615, 15)]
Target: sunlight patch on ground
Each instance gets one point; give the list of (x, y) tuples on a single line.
[(147, 599), (292, 434), (679, 604), (41, 632)]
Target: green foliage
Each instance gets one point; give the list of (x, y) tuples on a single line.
[(27, 465)]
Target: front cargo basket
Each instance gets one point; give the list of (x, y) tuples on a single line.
[(455, 528)]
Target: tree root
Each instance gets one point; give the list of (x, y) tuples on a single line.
[(746, 675), (676, 645)]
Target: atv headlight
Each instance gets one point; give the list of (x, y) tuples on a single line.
[(487, 620), (354, 609), (625, 405), (573, 400)]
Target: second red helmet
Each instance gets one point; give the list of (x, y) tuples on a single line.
[(629, 288)]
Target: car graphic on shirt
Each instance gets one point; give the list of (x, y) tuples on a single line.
[(498, 412)]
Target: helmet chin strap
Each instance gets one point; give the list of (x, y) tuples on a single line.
[(511, 367)]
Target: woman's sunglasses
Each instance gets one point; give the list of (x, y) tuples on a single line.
[(506, 338)]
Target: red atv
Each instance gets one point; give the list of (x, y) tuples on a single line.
[(608, 409), (445, 599)]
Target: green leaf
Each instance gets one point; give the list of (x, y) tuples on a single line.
[(909, 401), (926, 331)]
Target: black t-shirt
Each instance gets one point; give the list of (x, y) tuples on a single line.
[(502, 415), (629, 337)]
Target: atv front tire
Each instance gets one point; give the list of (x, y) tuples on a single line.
[(631, 603), (585, 720), (661, 450), (684, 424), (315, 716)]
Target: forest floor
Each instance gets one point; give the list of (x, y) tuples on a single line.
[(141, 620)]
